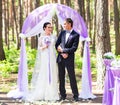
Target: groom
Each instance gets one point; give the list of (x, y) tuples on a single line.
[(66, 45)]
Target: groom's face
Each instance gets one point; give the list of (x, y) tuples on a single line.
[(67, 26)]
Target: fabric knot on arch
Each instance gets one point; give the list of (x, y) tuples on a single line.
[(33, 25)]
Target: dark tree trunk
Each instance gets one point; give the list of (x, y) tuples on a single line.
[(34, 38), (5, 21), (2, 53), (88, 18), (8, 25), (94, 27), (79, 6), (16, 25), (82, 8), (116, 27)]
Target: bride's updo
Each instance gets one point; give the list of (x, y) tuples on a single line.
[(45, 25)]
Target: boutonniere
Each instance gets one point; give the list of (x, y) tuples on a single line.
[(70, 37)]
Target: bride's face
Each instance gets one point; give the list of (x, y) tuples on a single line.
[(48, 29)]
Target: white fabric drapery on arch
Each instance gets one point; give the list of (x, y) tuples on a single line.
[(33, 25)]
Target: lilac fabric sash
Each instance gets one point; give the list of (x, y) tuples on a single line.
[(109, 84), (111, 94), (116, 97), (49, 65)]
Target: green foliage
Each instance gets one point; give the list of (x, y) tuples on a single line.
[(12, 55), (5, 68), (11, 64), (78, 61), (29, 76), (31, 56)]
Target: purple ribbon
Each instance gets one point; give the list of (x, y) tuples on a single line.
[(49, 65)]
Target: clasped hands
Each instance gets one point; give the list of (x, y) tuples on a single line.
[(64, 55)]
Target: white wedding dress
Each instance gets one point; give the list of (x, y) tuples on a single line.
[(45, 76)]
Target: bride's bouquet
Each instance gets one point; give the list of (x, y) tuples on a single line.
[(47, 41)]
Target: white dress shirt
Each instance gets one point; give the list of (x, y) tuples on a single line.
[(68, 34)]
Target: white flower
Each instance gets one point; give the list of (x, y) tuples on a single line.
[(21, 35), (88, 39), (109, 55), (115, 63)]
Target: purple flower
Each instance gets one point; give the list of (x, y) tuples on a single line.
[(47, 41)]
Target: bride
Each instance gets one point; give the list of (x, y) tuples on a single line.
[(44, 84)]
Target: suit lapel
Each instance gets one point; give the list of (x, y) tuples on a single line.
[(63, 39), (71, 34)]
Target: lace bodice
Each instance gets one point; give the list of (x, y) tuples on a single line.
[(46, 40)]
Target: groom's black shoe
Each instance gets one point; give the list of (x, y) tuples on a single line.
[(62, 98), (76, 99)]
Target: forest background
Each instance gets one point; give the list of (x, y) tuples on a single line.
[(102, 18)]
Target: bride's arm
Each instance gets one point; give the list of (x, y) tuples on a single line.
[(40, 45)]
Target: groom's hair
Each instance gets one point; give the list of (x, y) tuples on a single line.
[(45, 25), (69, 20)]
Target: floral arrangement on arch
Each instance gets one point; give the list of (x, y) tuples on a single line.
[(115, 63), (108, 58), (109, 55)]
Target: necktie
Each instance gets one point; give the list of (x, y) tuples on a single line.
[(67, 31)]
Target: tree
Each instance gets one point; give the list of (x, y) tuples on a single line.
[(11, 23), (88, 20), (94, 27), (20, 15), (16, 24), (82, 8), (2, 54), (34, 39), (116, 27), (102, 39)]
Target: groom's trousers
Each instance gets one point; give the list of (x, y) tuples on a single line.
[(69, 65)]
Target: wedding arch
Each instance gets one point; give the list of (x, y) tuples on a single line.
[(33, 26)]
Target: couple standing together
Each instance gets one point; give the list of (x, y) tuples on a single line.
[(45, 87)]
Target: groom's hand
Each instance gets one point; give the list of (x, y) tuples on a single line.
[(59, 49), (64, 55)]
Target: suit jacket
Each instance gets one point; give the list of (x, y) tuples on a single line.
[(68, 47)]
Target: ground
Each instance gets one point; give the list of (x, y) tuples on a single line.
[(4, 100)]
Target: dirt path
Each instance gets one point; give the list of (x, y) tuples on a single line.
[(8, 101), (4, 100)]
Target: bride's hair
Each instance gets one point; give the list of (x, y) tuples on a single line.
[(45, 25)]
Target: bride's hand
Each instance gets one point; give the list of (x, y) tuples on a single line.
[(44, 47)]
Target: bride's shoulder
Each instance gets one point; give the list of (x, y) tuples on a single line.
[(41, 38), (53, 36)]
